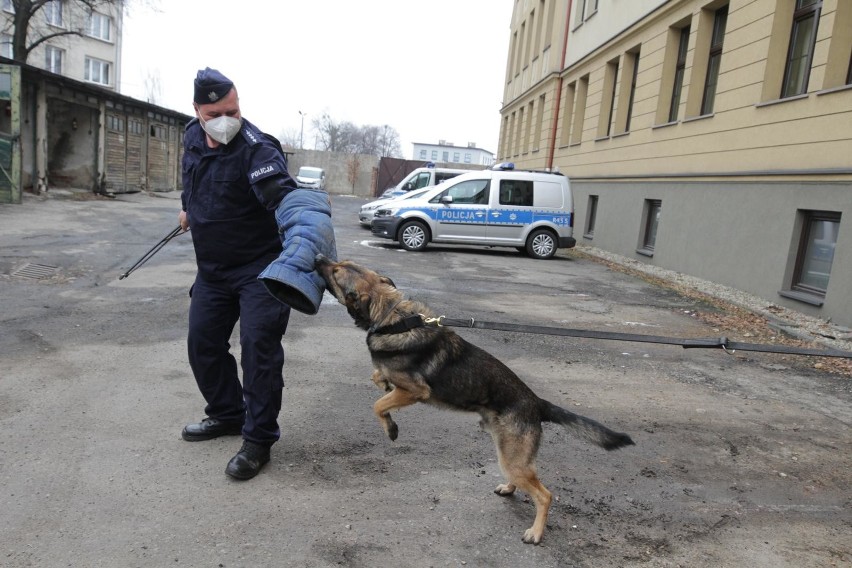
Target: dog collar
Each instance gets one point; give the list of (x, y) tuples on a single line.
[(405, 324)]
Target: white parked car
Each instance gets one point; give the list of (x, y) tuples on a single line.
[(311, 178), (368, 210)]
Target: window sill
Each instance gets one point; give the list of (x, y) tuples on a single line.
[(699, 117), (602, 138), (645, 252), (811, 299), (620, 134), (834, 90), (664, 125), (779, 101)]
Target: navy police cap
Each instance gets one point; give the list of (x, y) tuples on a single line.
[(210, 86)]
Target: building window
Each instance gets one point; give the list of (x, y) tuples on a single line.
[(6, 45), (456, 157), (539, 125), (649, 229), (720, 21), (608, 104), (680, 69), (96, 71), (633, 75), (134, 127), (579, 110), (580, 14), (849, 72), (816, 252), (591, 214), (53, 59), (115, 123), (801, 50), (99, 26), (467, 157), (423, 153), (445, 156), (53, 12)]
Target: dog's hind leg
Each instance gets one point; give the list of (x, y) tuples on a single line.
[(516, 453), (397, 398)]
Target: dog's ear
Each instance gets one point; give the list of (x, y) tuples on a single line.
[(388, 281)]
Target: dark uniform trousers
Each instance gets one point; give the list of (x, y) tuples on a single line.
[(215, 307)]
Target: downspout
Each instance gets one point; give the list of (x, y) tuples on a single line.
[(551, 149)]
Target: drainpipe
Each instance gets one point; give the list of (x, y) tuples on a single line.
[(551, 149)]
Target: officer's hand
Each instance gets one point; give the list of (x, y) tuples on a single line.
[(183, 220)]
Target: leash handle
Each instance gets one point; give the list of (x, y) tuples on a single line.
[(154, 250)]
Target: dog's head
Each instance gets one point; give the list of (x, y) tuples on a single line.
[(367, 295)]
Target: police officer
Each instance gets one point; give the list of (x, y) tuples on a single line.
[(234, 177)]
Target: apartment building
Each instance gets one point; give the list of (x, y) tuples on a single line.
[(92, 55), (709, 137), (449, 153)]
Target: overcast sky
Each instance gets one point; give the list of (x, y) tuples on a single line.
[(432, 70)]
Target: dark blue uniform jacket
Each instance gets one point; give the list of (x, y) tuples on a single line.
[(230, 194), (243, 206)]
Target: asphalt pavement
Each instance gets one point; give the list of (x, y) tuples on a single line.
[(740, 460)]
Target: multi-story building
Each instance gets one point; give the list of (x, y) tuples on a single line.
[(449, 153), (91, 52), (709, 137)]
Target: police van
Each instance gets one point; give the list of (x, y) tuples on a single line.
[(422, 177), (532, 211)]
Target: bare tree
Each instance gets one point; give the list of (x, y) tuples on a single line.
[(348, 138), (389, 143), (353, 167), (29, 31), (153, 87), (290, 138)]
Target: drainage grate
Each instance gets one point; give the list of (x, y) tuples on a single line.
[(35, 271)]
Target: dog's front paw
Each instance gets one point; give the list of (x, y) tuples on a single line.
[(393, 431), (531, 536), (504, 489)]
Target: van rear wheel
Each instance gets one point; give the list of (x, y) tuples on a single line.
[(413, 236), (541, 244)]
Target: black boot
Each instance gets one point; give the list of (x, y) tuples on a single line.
[(210, 428), (248, 461)]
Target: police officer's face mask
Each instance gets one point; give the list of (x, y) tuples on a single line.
[(222, 129)]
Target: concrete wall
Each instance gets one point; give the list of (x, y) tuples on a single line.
[(336, 166), (743, 235)]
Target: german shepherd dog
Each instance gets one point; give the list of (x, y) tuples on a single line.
[(414, 362)]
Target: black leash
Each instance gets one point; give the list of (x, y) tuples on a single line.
[(154, 250), (726, 344)]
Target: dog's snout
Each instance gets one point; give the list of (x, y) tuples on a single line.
[(320, 260)]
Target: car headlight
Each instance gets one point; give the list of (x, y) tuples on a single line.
[(385, 213)]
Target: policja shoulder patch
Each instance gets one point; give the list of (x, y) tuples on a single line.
[(263, 172)]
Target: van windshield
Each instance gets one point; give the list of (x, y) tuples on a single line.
[(309, 173)]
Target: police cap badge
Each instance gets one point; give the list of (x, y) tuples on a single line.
[(210, 86)]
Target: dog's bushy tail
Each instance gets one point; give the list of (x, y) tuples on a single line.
[(585, 428)]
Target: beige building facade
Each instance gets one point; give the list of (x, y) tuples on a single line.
[(709, 137)]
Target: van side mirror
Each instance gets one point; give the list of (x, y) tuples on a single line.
[(447, 199)]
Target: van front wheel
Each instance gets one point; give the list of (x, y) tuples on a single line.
[(541, 244), (413, 236)]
